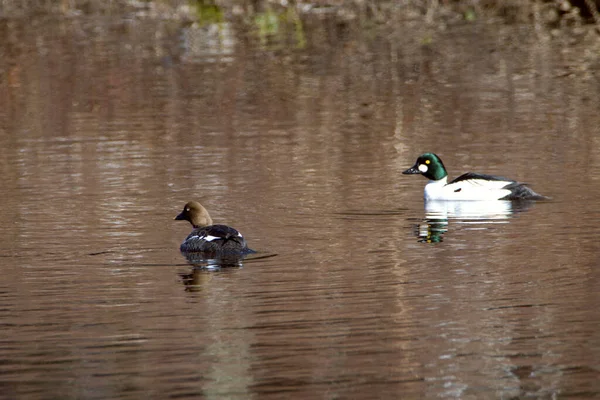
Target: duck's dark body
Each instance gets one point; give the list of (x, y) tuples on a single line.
[(217, 240)]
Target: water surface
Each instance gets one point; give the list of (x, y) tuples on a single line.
[(359, 290)]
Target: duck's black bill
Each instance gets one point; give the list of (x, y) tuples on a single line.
[(180, 217), (412, 170)]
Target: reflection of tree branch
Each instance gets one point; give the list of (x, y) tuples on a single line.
[(593, 11)]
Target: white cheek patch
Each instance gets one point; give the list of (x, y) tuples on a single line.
[(423, 168), (210, 238)]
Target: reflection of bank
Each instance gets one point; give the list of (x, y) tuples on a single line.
[(208, 43), (439, 214)]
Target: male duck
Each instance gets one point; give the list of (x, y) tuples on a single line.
[(469, 186), (214, 240)]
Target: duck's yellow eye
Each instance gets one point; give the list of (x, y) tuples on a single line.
[(427, 161)]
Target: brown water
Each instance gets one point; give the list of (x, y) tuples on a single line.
[(108, 126)]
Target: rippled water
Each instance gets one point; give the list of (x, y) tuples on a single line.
[(358, 290)]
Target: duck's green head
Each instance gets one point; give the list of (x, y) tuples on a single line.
[(430, 166)]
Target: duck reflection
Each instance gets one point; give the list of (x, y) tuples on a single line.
[(439, 213), (203, 265), (195, 280), (201, 260)]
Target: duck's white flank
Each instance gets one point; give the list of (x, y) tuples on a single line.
[(470, 189)]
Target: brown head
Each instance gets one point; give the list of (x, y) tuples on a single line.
[(195, 214)]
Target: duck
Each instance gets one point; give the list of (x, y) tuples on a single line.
[(212, 240), (469, 186)]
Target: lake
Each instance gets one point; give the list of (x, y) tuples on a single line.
[(109, 125)]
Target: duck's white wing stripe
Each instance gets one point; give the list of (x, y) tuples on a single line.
[(210, 238), (207, 238)]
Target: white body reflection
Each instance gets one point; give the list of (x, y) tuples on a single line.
[(469, 210), (438, 215)]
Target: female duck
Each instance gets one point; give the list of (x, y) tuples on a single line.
[(215, 240), (469, 186)]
